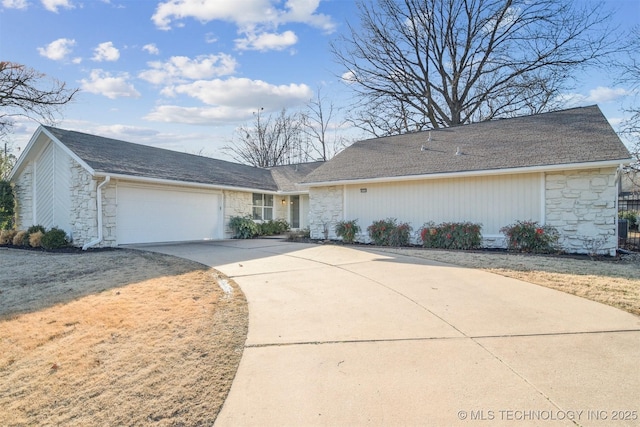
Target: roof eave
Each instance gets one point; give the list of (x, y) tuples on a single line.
[(34, 139), (148, 180), (482, 172)]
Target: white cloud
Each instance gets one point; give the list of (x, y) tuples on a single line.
[(15, 4), (53, 5), (151, 48), (244, 93), (57, 50), (606, 94), (179, 68), (267, 41), (124, 132), (348, 77), (242, 12), (106, 52), (210, 38), (197, 115), (598, 95), (182, 140), (246, 14), (229, 100), (103, 83), (304, 11)]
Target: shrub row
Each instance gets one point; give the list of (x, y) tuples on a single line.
[(348, 230), (522, 236), (36, 237), (244, 227), (451, 235), (388, 232), (529, 236), (298, 235)]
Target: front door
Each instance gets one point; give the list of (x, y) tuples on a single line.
[(294, 214)]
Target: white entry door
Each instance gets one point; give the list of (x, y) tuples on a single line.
[(148, 214)]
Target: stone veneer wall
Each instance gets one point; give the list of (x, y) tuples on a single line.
[(23, 189), (581, 205), (236, 203), (83, 217), (84, 210), (325, 210), (109, 210)]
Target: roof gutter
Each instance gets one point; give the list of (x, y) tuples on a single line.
[(147, 180), (483, 172), (99, 213)]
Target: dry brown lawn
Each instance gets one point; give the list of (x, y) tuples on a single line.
[(115, 338), (612, 282)]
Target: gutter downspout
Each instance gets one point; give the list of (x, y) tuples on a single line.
[(619, 172), (99, 213)]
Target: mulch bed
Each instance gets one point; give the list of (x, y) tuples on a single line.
[(63, 250)]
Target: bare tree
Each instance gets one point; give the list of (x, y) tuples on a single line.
[(24, 92), (7, 159), (422, 64), (270, 141), (318, 123), (629, 74)]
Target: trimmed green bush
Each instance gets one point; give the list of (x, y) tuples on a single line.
[(35, 229), (298, 235), (282, 226), (273, 227), (388, 232), (54, 239), (243, 227), (451, 235), (529, 236), (348, 230)]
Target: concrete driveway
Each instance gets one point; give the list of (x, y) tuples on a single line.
[(349, 337)]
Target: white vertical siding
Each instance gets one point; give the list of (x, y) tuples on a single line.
[(62, 190), (43, 214), (52, 188), (493, 201)]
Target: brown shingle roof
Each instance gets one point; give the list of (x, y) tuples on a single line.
[(112, 156), (577, 135), (287, 176)]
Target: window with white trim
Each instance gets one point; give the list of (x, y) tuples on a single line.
[(262, 207)]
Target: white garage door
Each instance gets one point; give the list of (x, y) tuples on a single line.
[(166, 214)]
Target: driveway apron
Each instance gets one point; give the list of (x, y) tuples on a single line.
[(347, 337)]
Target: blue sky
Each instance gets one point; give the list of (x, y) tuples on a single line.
[(183, 74)]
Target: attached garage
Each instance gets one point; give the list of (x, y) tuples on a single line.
[(105, 192), (147, 213)]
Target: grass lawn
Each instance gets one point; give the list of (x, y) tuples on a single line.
[(115, 338)]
